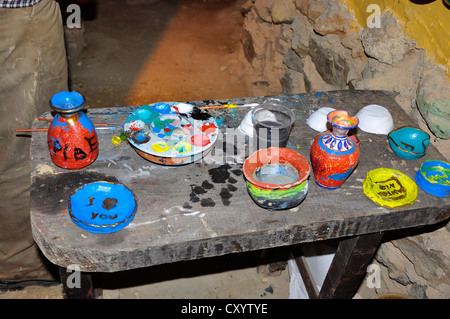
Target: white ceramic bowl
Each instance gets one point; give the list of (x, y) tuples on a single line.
[(246, 125), (375, 119), (318, 120)]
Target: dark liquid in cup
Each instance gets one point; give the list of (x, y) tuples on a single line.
[(271, 134)]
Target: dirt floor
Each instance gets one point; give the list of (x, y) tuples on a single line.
[(144, 51)]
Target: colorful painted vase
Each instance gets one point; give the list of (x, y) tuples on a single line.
[(72, 139), (334, 155)]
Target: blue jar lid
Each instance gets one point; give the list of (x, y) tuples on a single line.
[(67, 102)]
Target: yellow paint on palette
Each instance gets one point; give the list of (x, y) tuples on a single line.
[(160, 147), (183, 147), (390, 188)]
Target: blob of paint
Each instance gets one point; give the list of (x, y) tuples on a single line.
[(140, 137), (162, 108), (137, 125), (160, 147), (116, 140), (200, 140), (208, 128), (183, 108), (183, 147), (164, 125)]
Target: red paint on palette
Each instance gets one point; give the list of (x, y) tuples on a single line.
[(200, 140), (208, 128)]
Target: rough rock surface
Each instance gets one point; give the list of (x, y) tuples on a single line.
[(433, 101), (318, 48)]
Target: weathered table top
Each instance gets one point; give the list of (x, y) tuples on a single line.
[(203, 209)]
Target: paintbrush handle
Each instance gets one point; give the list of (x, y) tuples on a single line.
[(46, 129), (225, 106), (32, 130), (49, 120), (228, 106)]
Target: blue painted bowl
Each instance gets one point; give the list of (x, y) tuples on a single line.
[(409, 142), (434, 178), (102, 207)]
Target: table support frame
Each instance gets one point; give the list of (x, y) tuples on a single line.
[(352, 257)]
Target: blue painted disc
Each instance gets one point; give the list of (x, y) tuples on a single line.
[(102, 207)]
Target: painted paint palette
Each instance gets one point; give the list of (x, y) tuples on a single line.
[(171, 133), (390, 188), (102, 207)]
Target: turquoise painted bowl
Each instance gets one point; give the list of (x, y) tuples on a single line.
[(409, 142), (102, 207), (434, 178), (277, 178)]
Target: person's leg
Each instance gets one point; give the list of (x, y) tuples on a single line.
[(33, 67)]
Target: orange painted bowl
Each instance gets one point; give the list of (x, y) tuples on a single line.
[(277, 178)]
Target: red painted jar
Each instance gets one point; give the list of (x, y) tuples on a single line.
[(334, 155), (72, 139)]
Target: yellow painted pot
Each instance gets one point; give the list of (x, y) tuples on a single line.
[(390, 188)]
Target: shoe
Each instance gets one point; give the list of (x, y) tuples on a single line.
[(14, 285)]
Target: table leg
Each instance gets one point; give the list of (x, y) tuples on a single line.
[(349, 265), (76, 284), (305, 272)]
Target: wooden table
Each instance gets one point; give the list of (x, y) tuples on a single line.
[(203, 209)]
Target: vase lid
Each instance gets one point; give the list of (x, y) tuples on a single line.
[(67, 102), (341, 119)]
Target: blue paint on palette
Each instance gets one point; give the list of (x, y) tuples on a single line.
[(102, 207)]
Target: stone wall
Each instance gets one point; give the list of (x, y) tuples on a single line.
[(317, 45)]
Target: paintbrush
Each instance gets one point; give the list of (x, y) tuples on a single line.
[(32, 130), (49, 120), (228, 106), (46, 129)]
